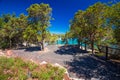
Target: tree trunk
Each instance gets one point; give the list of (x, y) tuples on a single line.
[(42, 45), (27, 44), (78, 43), (66, 42), (81, 46), (72, 42), (10, 43), (99, 48), (85, 46), (17, 46), (92, 46)]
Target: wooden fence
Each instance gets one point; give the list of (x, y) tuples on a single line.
[(109, 51)]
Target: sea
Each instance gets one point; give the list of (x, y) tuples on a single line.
[(75, 42)]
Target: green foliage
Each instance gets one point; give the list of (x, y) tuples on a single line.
[(52, 38), (20, 63), (22, 75), (30, 33), (3, 76), (88, 26), (116, 35), (98, 24), (9, 67), (30, 29), (96, 20), (78, 24), (40, 15), (11, 30), (17, 69), (6, 63), (44, 75), (4, 44), (115, 20), (31, 66), (48, 73), (100, 54)]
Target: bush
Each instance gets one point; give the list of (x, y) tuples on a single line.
[(20, 63), (4, 77), (4, 45), (17, 69), (6, 63), (22, 75), (31, 66), (49, 73)]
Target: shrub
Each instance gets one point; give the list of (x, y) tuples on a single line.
[(31, 66), (22, 75), (4, 77), (6, 63), (35, 74), (20, 63), (17, 69)]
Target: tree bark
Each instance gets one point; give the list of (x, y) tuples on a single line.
[(85, 46), (72, 41), (42, 45), (78, 43), (66, 42), (10, 43), (27, 44), (81, 46), (92, 46), (99, 48)]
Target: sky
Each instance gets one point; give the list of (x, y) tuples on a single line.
[(62, 10)]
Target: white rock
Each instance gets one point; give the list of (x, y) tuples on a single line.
[(31, 60), (76, 79), (94, 79), (1, 53), (43, 62), (58, 65)]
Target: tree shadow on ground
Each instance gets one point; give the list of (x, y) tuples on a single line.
[(88, 67), (31, 49), (70, 50)]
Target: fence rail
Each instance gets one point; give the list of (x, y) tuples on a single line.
[(109, 51)]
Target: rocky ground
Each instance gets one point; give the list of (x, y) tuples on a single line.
[(79, 63)]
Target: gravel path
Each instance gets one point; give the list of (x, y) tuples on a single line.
[(78, 62), (49, 56)]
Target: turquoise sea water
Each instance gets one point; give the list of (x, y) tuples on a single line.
[(74, 42), (70, 42)]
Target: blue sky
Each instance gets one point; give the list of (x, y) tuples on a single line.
[(63, 10)]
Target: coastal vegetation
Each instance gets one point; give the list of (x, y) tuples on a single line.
[(31, 28), (18, 69), (97, 25)]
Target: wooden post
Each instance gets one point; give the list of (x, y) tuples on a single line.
[(85, 47), (106, 52)]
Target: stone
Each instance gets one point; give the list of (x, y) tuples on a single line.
[(1, 53), (43, 63), (9, 53)]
